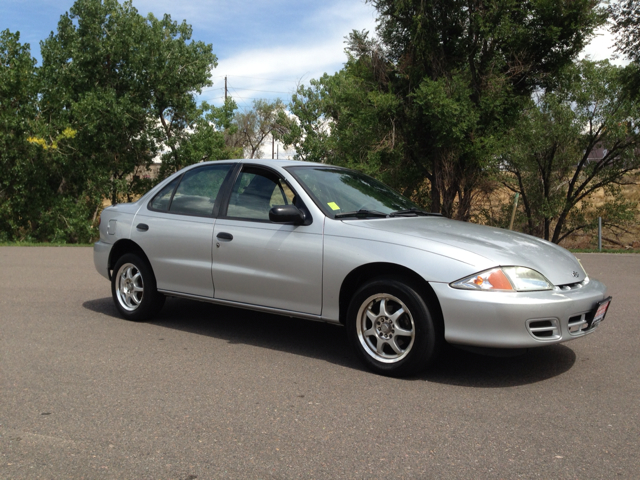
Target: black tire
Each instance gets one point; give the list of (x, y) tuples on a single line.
[(392, 329), (133, 287)]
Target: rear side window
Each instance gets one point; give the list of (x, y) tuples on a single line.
[(196, 193), (162, 200)]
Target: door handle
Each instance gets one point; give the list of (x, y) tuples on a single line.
[(224, 236), (142, 226)]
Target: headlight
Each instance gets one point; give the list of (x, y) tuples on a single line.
[(520, 279)]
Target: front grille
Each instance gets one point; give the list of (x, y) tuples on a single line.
[(572, 286), (578, 324), (544, 329)]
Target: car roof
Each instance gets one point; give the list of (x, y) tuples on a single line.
[(266, 162)]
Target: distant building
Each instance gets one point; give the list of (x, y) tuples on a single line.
[(596, 154), (273, 148)]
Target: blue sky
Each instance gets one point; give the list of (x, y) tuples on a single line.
[(264, 47)]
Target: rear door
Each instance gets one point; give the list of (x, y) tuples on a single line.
[(175, 230)]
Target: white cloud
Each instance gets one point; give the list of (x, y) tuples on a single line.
[(341, 17), (602, 47), (276, 70), (268, 65)]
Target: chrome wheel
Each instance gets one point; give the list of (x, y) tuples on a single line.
[(129, 287), (385, 328)]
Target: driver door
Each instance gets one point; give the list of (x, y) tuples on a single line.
[(259, 262)]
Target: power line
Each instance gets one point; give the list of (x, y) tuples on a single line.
[(226, 88), (241, 98), (253, 90), (284, 79), (234, 97), (210, 89), (242, 101)]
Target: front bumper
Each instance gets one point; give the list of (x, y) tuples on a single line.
[(516, 319)]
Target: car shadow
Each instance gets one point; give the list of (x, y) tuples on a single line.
[(329, 343), (319, 340), (462, 368)]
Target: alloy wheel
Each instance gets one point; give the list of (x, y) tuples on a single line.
[(129, 287), (385, 328)]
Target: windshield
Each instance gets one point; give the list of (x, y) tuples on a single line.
[(338, 191)]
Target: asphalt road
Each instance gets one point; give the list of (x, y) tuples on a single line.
[(209, 392)]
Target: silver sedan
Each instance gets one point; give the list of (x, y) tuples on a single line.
[(324, 243)]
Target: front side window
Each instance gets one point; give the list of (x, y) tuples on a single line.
[(255, 192)]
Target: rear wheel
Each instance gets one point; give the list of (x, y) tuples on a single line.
[(391, 327), (133, 287)]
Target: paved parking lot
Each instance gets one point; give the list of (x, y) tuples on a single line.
[(209, 392)]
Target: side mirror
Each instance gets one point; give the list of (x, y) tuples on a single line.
[(286, 214)]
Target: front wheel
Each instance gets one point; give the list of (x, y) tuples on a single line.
[(391, 328), (133, 287)]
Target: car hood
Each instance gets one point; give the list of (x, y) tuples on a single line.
[(498, 246)]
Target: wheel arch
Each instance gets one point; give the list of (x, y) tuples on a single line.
[(122, 247), (369, 271)]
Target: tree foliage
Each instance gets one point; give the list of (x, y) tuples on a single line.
[(625, 19), (33, 200), (127, 84), (115, 90), (19, 160), (252, 127), (345, 119), (198, 134), (438, 87), (571, 143)]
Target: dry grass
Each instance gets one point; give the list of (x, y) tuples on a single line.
[(495, 201), (621, 240)]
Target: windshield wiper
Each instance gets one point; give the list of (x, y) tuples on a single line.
[(414, 211), (362, 213)]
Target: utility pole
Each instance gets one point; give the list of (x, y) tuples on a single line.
[(273, 146), (599, 234), (225, 89), (513, 212)]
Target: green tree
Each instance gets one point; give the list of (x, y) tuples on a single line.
[(443, 80), (178, 68), (127, 85), (32, 201), (199, 134), (345, 119), (115, 90), (252, 127), (92, 81), (625, 19), (572, 143), (19, 161)]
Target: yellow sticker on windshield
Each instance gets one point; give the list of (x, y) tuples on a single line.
[(333, 206)]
